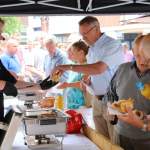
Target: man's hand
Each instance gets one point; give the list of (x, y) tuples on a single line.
[(60, 69), (131, 118), (2, 84), (86, 79)]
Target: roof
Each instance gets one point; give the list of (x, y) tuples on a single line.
[(69, 7)]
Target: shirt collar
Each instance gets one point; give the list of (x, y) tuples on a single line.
[(11, 56), (55, 54), (100, 40)]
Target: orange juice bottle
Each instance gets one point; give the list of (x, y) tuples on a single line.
[(59, 104)]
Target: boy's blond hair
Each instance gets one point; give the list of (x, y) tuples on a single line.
[(145, 45)]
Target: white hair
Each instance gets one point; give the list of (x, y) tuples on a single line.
[(51, 39)]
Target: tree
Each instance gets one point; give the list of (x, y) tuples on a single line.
[(12, 25)]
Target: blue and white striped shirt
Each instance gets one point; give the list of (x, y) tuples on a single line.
[(52, 61)]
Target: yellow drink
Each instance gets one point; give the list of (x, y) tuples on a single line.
[(59, 104)]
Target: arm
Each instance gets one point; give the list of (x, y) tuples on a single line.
[(36, 72), (73, 84), (88, 69), (8, 88), (2, 84), (132, 119)]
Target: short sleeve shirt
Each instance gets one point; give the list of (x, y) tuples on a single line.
[(109, 51), (11, 63)]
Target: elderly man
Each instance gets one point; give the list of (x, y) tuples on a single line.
[(123, 86), (54, 58), (104, 56), (9, 58)]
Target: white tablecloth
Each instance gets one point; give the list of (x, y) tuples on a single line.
[(70, 142)]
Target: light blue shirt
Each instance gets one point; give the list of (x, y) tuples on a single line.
[(52, 61), (74, 97), (109, 51), (11, 63)]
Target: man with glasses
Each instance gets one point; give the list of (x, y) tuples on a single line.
[(104, 56)]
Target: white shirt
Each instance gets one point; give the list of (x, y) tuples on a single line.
[(28, 57), (109, 51)]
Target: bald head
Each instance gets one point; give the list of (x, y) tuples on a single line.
[(50, 44), (12, 46), (140, 59)]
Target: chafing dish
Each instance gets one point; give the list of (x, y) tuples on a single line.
[(48, 121), (30, 96), (41, 124)]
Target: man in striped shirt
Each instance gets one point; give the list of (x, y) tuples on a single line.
[(54, 58)]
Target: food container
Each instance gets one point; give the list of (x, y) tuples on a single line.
[(46, 123), (30, 96), (47, 102)]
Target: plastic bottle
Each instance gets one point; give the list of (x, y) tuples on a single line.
[(59, 104), (144, 89)]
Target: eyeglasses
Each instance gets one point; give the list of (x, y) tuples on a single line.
[(84, 34)]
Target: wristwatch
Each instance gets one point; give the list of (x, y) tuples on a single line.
[(145, 124), (71, 67)]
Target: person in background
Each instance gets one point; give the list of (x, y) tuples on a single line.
[(104, 56), (2, 23), (123, 86), (128, 55), (9, 58), (7, 81), (54, 58), (73, 93)]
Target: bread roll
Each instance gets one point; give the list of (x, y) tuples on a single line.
[(138, 113), (122, 105), (47, 102)]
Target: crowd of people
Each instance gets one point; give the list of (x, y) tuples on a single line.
[(98, 61)]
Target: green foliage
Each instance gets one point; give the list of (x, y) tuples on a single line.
[(12, 25)]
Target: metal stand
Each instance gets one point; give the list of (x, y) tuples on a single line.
[(44, 141)]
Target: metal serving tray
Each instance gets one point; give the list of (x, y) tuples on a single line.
[(45, 124), (30, 96)]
